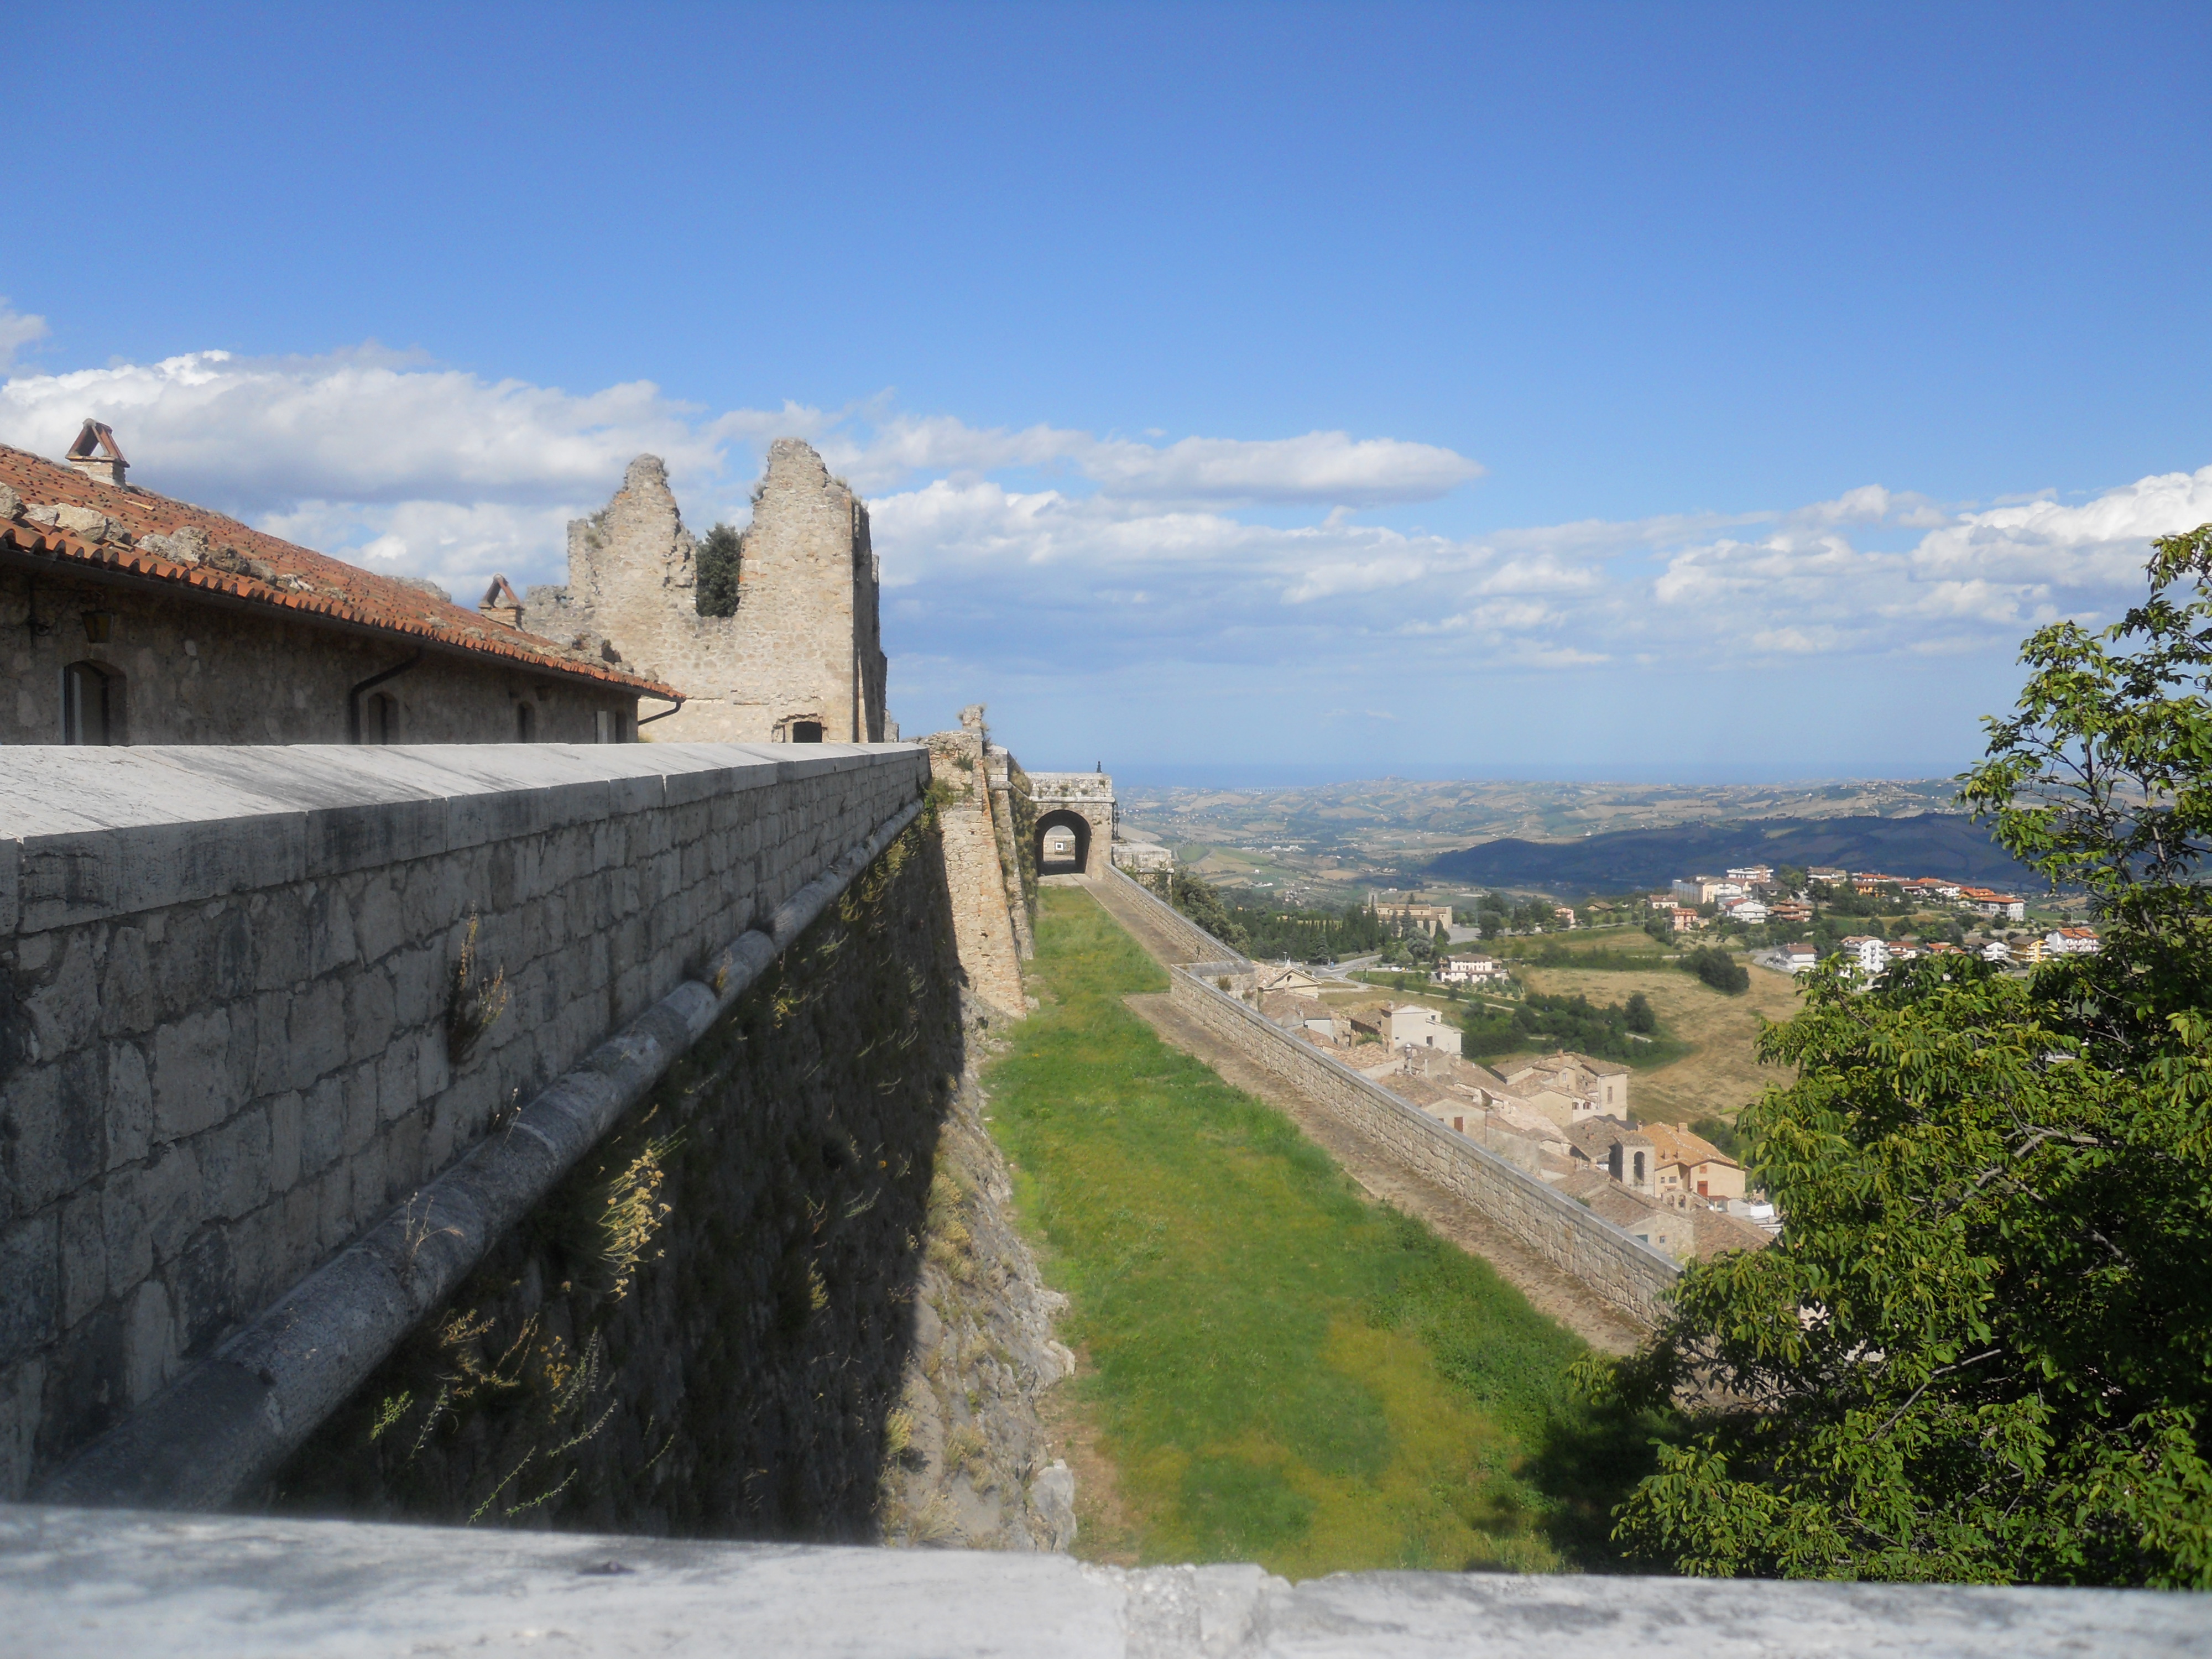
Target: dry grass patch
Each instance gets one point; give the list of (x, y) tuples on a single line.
[(1720, 1074)]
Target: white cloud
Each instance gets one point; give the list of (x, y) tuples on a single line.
[(17, 329), (1328, 469), (365, 425), (1087, 552)]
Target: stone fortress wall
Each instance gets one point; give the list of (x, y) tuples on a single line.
[(803, 654), (984, 903), (230, 1033)]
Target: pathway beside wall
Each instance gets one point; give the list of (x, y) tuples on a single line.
[(1379, 1169)]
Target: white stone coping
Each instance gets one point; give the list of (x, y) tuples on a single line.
[(85, 1585), (228, 1421), (89, 832)]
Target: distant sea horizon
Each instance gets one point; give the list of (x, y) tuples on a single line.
[(1278, 775)]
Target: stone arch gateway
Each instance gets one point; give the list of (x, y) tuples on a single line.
[(1063, 842), (1077, 803)]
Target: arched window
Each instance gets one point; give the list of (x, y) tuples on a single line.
[(807, 731), (379, 721), (92, 703), (1639, 1169), (526, 723)]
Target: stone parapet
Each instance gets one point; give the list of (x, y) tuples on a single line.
[(1194, 944), (1624, 1271), (231, 1035), (78, 1584)]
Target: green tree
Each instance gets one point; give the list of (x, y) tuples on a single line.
[(1981, 1348), (718, 556), (1719, 970), (1195, 897), (1640, 1019)]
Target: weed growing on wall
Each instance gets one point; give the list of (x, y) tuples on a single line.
[(473, 1003)]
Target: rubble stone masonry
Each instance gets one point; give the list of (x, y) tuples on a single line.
[(803, 651), (982, 914)]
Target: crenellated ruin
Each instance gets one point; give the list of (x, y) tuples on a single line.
[(802, 660)]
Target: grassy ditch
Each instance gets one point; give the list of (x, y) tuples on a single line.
[(1280, 1370)]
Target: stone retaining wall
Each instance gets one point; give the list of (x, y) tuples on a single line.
[(226, 1044), (1194, 943), (1623, 1270)]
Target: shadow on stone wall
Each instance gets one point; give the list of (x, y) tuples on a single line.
[(702, 1331)]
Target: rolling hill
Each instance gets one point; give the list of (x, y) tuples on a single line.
[(1946, 844)]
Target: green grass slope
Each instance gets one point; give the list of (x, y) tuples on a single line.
[(1281, 1371)]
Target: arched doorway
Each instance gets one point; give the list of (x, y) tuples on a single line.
[(1063, 844)]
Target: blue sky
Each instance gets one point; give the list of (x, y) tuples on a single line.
[(1258, 391)]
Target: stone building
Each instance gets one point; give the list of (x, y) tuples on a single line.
[(801, 661), (133, 618)]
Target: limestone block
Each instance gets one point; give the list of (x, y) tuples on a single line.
[(279, 925), (371, 1183), (83, 1258), (334, 1207), (149, 1342), (322, 1120), (30, 1268), (331, 944), (126, 1237), (404, 1156), (297, 1225), (432, 1070), (235, 1164), (128, 1005), (169, 1193), (65, 1011), (23, 1388), (371, 1012), (418, 985)]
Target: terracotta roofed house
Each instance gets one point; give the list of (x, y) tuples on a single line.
[(142, 619)]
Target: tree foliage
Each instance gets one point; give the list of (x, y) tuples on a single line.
[(1981, 1348), (1542, 1021), (718, 558), (1196, 898), (1718, 969)]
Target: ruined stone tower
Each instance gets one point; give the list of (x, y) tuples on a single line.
[(801, 661)]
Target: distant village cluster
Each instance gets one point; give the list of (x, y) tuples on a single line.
[(1757, 895), (1563, 1117)]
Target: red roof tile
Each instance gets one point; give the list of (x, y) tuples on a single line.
[(298, 579)]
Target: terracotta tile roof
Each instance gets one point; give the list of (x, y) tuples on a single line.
[(263, 569)]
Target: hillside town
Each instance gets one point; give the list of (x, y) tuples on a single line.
[(1562, 1116)]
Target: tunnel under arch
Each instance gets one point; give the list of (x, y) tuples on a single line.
[(1053, 829)]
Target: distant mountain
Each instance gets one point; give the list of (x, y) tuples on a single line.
[(1946, 844)]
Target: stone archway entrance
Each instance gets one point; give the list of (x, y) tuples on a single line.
[(1063, 843)]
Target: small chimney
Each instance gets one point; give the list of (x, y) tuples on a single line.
[(499, 604), (96, 454)]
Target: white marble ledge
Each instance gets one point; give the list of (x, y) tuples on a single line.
[(114, 1584)]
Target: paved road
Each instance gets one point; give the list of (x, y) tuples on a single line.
[(1552, 1292)]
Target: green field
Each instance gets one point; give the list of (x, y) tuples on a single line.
[(1279, 1369)]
